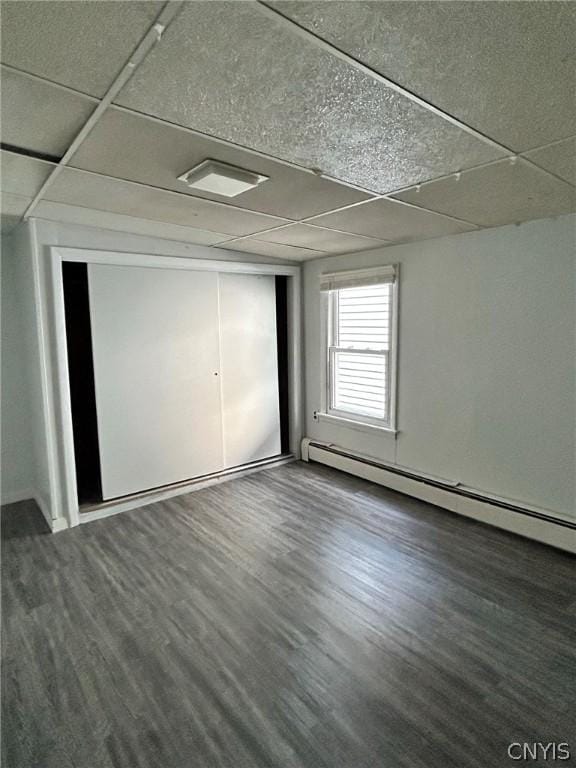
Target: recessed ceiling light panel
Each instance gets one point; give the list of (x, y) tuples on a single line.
[(221, 179)]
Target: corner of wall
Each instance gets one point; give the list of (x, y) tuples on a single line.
[(18, 476)]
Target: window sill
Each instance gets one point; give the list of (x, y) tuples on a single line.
[(361, 426)]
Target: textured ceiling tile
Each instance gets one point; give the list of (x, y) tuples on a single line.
[(506, 68), (100, 193), (83, 45), (89, 217), (502, 193), (387, 220), (23, 175), (229, 71), (139, 149), (327, 240), (559, 158), (38, 116), (276, 250)]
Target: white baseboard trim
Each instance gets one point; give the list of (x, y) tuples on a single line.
[(59, 524), (560, 534), (56, 525)]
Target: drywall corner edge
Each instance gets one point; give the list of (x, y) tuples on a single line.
[(48, 506)]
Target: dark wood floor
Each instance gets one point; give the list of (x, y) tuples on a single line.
[(294, 618)]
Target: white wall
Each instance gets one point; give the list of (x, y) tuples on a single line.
[(35, 375), (26, 467), (486, 379), (17, 467)]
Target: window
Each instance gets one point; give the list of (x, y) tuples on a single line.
[(360, 326)]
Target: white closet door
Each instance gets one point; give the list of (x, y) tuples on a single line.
[(248, 344), (156, 370)]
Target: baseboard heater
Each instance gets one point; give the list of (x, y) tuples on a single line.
[(531, 523)]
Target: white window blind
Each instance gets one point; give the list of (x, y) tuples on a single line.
[(360, 345), (359, 278)]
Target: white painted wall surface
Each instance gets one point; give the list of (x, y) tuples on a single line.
[(17, 466), (250, 408), (486, 379), (28, 306)]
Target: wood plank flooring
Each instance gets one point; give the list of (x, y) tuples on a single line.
[(294, 618)]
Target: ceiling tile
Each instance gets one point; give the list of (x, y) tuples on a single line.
[(560, 158), (502, 193), (144, 150), (505, 68), (83, 45), (227, 70), (276, 250), (11, 209), (38, 116), (23, 175), (327, 240), (88, 217), (386, 220), (91, 191)]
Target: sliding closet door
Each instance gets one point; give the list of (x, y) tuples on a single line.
[(248, 340), (156, 369)]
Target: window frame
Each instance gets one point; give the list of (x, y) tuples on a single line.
[(329, 334)]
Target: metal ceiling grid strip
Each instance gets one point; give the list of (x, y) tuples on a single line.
[(150, 39), (527, 161), (319, 42), (524, 157), (183, 195), (45, 81), (241, 147), (332, 49), (388, 197)]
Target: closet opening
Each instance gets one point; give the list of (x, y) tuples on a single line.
[(176, 376), (81, 380), (283, 376)]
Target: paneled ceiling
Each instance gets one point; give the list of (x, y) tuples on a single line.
[(376, 122)]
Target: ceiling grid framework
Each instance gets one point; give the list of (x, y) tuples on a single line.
[(137, 56), (374, 162), (504, 70)]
